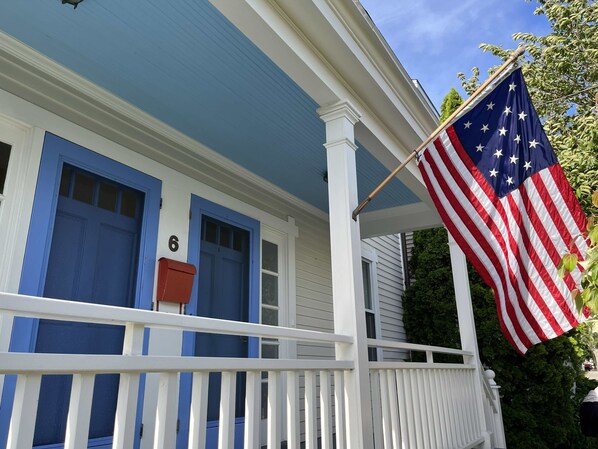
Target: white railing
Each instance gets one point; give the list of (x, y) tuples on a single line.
[(425, 405), (492, 410), (322, 380), (414, 405)]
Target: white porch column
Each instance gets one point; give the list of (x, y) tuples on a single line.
[(347, 282), (467, 331)]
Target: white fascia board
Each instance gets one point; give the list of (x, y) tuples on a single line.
[(398, 219)]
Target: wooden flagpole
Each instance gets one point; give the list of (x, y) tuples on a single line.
[(518, 52)]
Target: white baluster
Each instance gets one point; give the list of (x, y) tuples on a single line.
[(128, 390), (394, 409), (226, 428), (386, 417), (293, 410), (273, 415), (252, 410), (22, 423), (325, 411), (339, 408), (199, 411), (166, 412), (377, 399), (77, 424), (310, 411)]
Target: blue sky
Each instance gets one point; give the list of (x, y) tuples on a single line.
[(435, 39)]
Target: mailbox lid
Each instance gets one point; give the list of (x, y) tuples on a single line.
[(177, 266)]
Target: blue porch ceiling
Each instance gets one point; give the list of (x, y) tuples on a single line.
[(188, 66)]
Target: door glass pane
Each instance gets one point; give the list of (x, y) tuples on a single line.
[(128, 205), (269, 289), (65, 180), (270, 316), (108, 196), (269, 256), (4, 156), (83, 188)]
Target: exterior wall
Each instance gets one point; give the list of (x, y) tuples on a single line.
[(307, 292)]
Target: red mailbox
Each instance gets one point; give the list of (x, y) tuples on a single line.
[(175, 280)]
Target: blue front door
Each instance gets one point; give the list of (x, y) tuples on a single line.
[(225, 247), (223, 293), (93, 258), (94, 239)]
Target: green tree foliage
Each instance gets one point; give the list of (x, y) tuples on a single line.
[(450, 103)]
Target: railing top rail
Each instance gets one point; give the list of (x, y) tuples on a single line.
[(30, 363), (419, 365), (416, 347), (57, 309)]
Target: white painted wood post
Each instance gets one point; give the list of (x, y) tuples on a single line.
[(273, 432), (6, 322), (199, 411), (500, 441), (226, 425), (292, 407), (166, 412), (467, 331), (77, 424), (347, 282), (22, 422), (253, 395), (128, 390)]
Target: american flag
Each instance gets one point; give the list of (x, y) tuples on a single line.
[(503, 196)]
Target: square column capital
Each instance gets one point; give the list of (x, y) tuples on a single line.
[(341, 109)]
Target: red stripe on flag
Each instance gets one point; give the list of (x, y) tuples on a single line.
[(506, 219), (471, 255), (490, 224), (481, 239)]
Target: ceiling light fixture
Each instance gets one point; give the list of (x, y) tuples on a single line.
[(75, 3)]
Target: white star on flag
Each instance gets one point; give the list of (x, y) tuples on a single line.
[(480, 147), (484, 128), (517, 138), (522, 115), (533, 143), (498, 153), (490, 106), (507, 111), (502, 131), (527, 165), (467, 125), (513, 159)]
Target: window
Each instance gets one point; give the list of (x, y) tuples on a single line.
[(270, 309), (370, 310)]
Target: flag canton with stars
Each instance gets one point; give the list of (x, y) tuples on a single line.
[(504, 138)]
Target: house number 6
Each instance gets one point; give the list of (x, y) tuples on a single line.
[(173, 243)]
